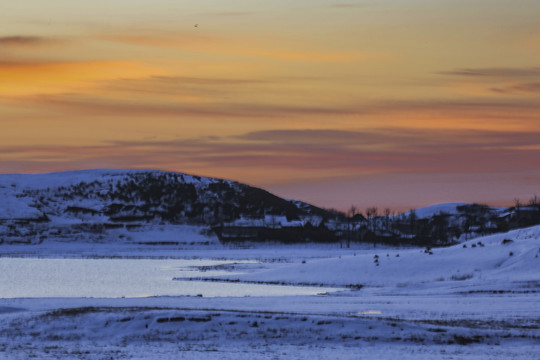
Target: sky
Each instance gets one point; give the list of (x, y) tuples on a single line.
[(389, 103)]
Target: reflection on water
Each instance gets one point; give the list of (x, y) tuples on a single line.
[(110, 278)]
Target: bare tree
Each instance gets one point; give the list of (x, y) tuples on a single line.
[(371, 214), (534, 201), (412, 220), (387, 213), (353, 210)]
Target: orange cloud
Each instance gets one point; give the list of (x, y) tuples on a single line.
[(35, 77)]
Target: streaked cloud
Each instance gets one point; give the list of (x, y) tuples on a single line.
[(351, 5), (496, 72), (217, 98), (398, 138), (232, 13), (215, 44), (180, 84), (311, 56), (208, 81), (525, 88), (326, 151), (521, 83), (166, 40), (98, 105), (25, 41)]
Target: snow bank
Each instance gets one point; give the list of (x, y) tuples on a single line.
[(480, 260)]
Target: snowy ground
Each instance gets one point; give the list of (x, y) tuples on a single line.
[(473, 302)]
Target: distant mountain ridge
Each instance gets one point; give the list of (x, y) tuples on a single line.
[(445, 208)]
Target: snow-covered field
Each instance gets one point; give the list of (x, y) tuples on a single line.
[(476, 300)]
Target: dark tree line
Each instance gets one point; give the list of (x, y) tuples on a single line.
[(470, 220)]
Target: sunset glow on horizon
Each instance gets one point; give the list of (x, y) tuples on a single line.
[(395, 103)]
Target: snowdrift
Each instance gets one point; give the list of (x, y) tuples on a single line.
[(490, 261)]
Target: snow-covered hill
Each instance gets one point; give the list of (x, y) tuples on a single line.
[(14, 207), (89, 203)]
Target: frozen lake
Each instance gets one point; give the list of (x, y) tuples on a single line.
[(115, 278)]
